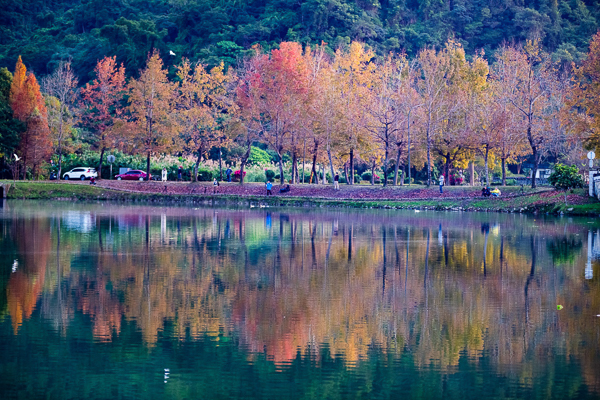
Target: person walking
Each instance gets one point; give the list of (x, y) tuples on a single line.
[(441, 183), (336, 181), (228, 173), (215, 185), (269, 186), (179, 173)]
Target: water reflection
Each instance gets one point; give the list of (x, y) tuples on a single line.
[(283, 284)]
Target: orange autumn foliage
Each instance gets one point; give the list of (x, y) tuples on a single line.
[(28, 106)]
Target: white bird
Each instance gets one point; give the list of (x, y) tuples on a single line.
[(15, 266), (17, 157), (171, 52)]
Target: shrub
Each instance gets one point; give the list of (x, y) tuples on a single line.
[(306, 176), (237, 175), (565, 177), (270, 175), (456, 179), (205, 174), (356, 178), (366, 176), (258, 156)]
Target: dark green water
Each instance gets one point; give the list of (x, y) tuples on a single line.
[(101, 301)]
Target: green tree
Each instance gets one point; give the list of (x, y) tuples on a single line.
[(10, 127), (565, 177)]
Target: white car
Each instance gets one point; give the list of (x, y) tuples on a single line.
[(82, 173)]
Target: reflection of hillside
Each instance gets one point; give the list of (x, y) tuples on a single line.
[(298, 284)]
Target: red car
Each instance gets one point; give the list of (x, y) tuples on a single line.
[(133, 175)]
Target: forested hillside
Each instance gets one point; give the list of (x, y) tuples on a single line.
[(47, 31)]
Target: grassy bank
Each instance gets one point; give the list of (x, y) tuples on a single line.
[(538, 202)]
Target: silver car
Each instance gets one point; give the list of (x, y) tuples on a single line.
[(82, 173)]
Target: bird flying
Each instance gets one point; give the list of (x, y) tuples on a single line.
[(17, 158)]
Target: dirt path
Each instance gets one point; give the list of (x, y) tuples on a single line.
[(357, 192)]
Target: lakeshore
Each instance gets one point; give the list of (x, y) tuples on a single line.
[(454, 198)]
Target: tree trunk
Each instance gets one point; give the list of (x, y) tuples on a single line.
[(102, 149), (220, 164), (197, 165), (330, 161), (346, 172), (429, 151), (313, 172), (351, 181), (408, 148), (322, 173), (373, 173), (60, 136), (294, 161), (472, 173), (304, 160), (504, 172), (447, 177), (534, 151), (281, 177), (398, 155), (487, 171), (243, 163), (385, 166), (24, 169), (148, 166), (60, 159), (535, 167)]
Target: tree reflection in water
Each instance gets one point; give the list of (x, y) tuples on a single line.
[(312, 285)]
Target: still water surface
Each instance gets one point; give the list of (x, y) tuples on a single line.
[(104, 301)]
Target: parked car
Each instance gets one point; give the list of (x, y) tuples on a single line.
[(133, 175), (82, 173)]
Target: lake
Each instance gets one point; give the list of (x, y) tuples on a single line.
[(112, 301)]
